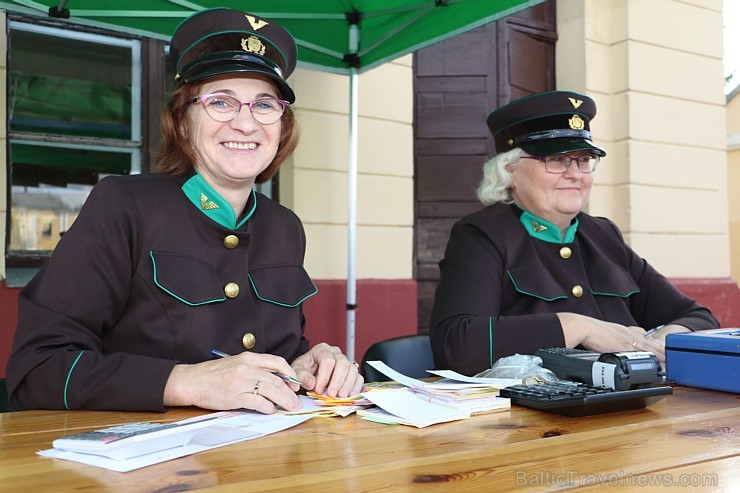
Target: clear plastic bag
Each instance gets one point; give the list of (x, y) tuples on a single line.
[(526, 367)]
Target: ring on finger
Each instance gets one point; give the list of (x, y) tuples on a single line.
[(256, 389), (355, 363)]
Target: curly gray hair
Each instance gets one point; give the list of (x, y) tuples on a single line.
[(496, 184)]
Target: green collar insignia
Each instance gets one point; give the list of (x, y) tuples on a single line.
[(210, 203), (547, 231)]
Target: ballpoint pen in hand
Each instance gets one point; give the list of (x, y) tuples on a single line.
[(654, 330), (286, 378)]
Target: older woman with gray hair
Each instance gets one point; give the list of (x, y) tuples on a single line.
[(532, 270)]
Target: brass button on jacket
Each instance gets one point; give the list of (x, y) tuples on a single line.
[(231, 241), (565, 252), (231, 290), (248, 341), (577, 291)]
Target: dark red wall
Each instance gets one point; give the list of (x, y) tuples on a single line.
[(721, 295), (387, 308), (8, 319)]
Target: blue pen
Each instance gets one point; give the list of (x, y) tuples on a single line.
[(286, 378)]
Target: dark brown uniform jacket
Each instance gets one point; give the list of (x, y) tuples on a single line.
[(500, 289), (137, 285)]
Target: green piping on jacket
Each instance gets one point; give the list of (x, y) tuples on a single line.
[(154, 265), (563, 297), (69, 375), (315, 290)]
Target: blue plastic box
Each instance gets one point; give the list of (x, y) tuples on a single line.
[(708, 359)]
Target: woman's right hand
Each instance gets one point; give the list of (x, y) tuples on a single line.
[(244, 381)]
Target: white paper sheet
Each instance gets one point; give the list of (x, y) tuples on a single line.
[(499, 383), (448, 374), (244, 426), (401, 403), (396, 376)]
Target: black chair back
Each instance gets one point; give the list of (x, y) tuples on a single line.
[(410, 355), (4, 400)]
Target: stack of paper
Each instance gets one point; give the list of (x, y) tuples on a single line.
[(468, 393), (471, 400), (455, 391), (400, 406)]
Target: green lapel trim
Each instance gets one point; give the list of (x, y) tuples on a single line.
[(547, 231), (251, 211), (210, 203)]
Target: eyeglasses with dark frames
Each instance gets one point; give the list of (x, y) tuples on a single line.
[(559, 163), (224, 108)]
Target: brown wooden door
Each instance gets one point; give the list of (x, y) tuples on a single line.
[(456, 84)]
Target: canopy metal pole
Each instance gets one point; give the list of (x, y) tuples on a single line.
[(354, 38)]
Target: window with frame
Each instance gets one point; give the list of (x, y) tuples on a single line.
[(74, 116), (82, 103)]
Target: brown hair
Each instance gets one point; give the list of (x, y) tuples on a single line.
[(176, 157)]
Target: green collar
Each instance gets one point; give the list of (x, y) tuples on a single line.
[(210, 203), (547, 231)]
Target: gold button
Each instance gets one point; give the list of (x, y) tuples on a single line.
[(565, 252), (577, 291), (231, 290), (248, 341), (231, 241)]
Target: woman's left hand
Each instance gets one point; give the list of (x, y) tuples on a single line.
[(324, 369)]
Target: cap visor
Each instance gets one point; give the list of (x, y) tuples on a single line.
[(559, 146), (237, 68)]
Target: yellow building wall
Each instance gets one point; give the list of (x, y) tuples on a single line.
[(655, 70), (314, 183), (733, 182)]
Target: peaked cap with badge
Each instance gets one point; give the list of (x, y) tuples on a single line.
[(544, 124), (226, 41)]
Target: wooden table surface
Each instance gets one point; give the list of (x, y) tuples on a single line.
[(687, 442)]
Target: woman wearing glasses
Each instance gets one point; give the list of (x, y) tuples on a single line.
[(532, 270), (185, 287)]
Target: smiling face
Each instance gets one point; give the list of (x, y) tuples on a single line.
[(230, 155), (553, 197)]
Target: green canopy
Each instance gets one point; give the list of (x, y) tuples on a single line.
[(341, 36), (386, 29)]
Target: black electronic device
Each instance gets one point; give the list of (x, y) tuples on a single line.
[(577, 399), (626, 370)]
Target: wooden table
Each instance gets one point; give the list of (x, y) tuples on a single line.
[(692, 438)]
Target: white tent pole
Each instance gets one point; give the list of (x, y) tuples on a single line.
[(354, 39)]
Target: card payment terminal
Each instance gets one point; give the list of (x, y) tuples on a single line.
[(621, 371)]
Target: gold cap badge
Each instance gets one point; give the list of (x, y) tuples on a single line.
[(576, 123), (575, 102), (253, 45), (205, 204), (256, 25)]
